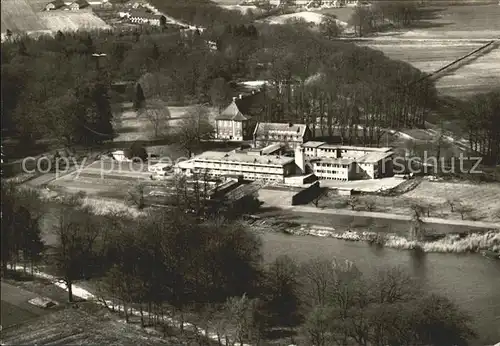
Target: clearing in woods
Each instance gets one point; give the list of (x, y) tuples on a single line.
[(482, 199), (453, 32), (72, 21), (18, 17)]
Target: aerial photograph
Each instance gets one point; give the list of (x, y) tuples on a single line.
[(250, 172)]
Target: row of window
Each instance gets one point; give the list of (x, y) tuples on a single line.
[(252, 176), (333, 178), (328, 171), (281, 138), (239, 167), (319, 164)]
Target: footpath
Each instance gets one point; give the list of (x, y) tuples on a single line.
[(379, 215)]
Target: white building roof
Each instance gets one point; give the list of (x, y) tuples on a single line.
[(313, 144), (271, 149), (244, 158), (263, 129), (347, 147), (374, 157)]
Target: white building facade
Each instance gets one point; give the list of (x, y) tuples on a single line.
[(250, 167), (337, 162)]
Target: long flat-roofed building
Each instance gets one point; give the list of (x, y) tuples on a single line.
[(251, 167), (340, 162)]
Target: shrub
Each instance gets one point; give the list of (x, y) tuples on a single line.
[(136, 151)]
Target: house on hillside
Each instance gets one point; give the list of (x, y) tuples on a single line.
[(79, 4), (237, 121), (55, 5), (139, 16), (101, 3), (287, 134)]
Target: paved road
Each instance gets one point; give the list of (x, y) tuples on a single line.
[(378, 215)]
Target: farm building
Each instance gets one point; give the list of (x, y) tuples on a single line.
[(139, 16), (79, 4), (99, 3), (55, 5), (287, 134)]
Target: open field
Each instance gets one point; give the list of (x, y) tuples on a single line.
[(27, 16), (15, 307), (481, 198), (343, 14), (310, 17), (456, 31), (18, 17), (72, 21), (132, 127), (38, 5), (482, 75), (228, 2), (76, 327)]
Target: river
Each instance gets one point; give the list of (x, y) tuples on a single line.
[(473, 281)]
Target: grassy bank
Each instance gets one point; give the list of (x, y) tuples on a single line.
[(452, 243)]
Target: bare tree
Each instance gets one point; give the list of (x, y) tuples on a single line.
[(158, 115), (330, 28), (370, 204), (137, 194), (322, 193), (195, 128), (353, 202), (418, 210), (452, 202), (463, 210), (77, 230)]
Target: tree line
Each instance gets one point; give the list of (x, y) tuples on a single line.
[(482, 125), (56, 87), (211, 272)]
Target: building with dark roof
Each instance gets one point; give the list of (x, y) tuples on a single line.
[(78, 5), (141, 16), (286, 134), (55, 5), (237, 121)]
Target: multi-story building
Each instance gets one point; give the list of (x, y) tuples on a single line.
[(250, 167), (327, 162), (338, 162), (286, 134), (141, 16), (237, 121)]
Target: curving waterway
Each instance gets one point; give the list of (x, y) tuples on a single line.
[(472, 280)]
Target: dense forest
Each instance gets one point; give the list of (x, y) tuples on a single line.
[(173, 266), (56, 88)]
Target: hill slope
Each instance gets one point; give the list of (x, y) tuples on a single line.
[(18, 16)]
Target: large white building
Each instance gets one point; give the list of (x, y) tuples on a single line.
[(250, 165), (339, 162)]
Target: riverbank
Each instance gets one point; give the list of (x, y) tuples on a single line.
[(446, 242), (452, 243)]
